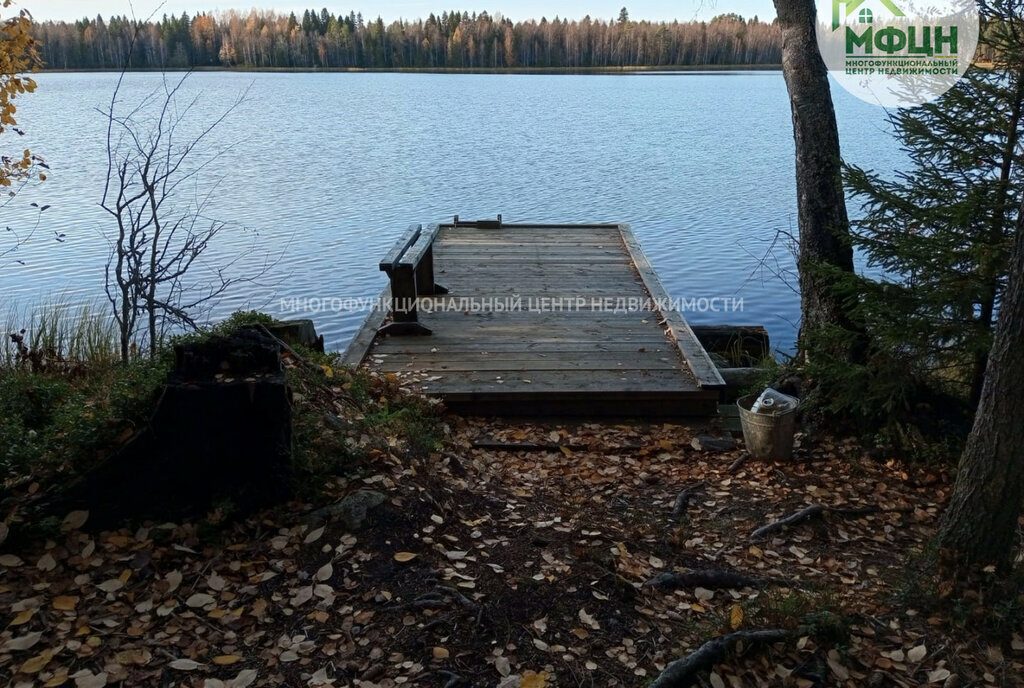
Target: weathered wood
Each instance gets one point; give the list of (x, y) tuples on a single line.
[(297, 333), (360, 344), (410, 266), (560, 342), (395, 253), (697, 358)]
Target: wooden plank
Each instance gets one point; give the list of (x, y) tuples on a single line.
[(564, 380), (419, 246), (515, 359), (527, 365), (360, 344), (700, 363), (561, 356), (391, 259), (412, 346)]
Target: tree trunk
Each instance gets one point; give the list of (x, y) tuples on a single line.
[(821, 205), (991, 268), (980, 523)]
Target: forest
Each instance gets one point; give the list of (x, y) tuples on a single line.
[(451, 40)]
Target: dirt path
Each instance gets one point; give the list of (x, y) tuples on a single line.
[(526, 567)]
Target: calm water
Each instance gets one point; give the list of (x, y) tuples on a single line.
[(322, 171)]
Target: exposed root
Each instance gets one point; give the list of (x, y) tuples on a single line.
[(683, 672)]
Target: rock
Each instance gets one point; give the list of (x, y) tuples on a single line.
[(352, 511), (712, 443)]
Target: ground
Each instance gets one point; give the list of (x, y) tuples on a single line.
[(515, 566)]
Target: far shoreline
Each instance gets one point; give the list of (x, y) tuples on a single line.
[(440, 70)]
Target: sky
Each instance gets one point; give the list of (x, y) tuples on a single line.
[(683, 10)]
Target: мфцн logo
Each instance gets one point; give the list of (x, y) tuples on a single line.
[(897, 55), (865, 15)]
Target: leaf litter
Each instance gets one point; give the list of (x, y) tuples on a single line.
[(499, 567)]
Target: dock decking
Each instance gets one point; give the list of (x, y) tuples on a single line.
[(534, 324)]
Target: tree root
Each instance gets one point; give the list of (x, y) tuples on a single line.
[(816, 511), (683, 672), (712, 579), (738, 463), (683, 499)]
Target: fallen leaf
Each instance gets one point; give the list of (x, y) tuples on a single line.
[(216, 582), (244, 679), (324, 572), (736, 616), (838, 669), (226, 660), (86, 679), (112, 585), (65, 603), (502, 665), (703, 594), (174, 579), (74, 520), (185, 665), (23, 642), (10, 561), (938, 675), (440, 653), (313, 535), (36, 664), (532, 679), (916, 654), (199, 599), (133, 656), (46, 563), (23, 617), (588, 620), (405, 556)]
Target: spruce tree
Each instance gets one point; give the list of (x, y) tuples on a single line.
[(941, 231)]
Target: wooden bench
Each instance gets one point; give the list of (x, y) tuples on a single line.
[(410, 266)]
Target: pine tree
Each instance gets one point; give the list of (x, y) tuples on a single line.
[(941, 231)]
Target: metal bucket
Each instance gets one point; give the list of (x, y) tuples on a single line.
[(767, 436)]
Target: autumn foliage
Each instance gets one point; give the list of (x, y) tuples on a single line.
[(17, 56)]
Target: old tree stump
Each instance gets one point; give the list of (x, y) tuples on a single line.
[(221, 431)]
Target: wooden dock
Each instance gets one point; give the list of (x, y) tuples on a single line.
[(540, 320)]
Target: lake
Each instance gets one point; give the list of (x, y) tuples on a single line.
[(321, 172)]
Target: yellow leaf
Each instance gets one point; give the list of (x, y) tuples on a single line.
[(736, 616), (23, 617), (440, 653), (65, 603), (225, 660), (59, 679), (36, 664), (532, 679), (404, 556), (566, 450), (328, 371)]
